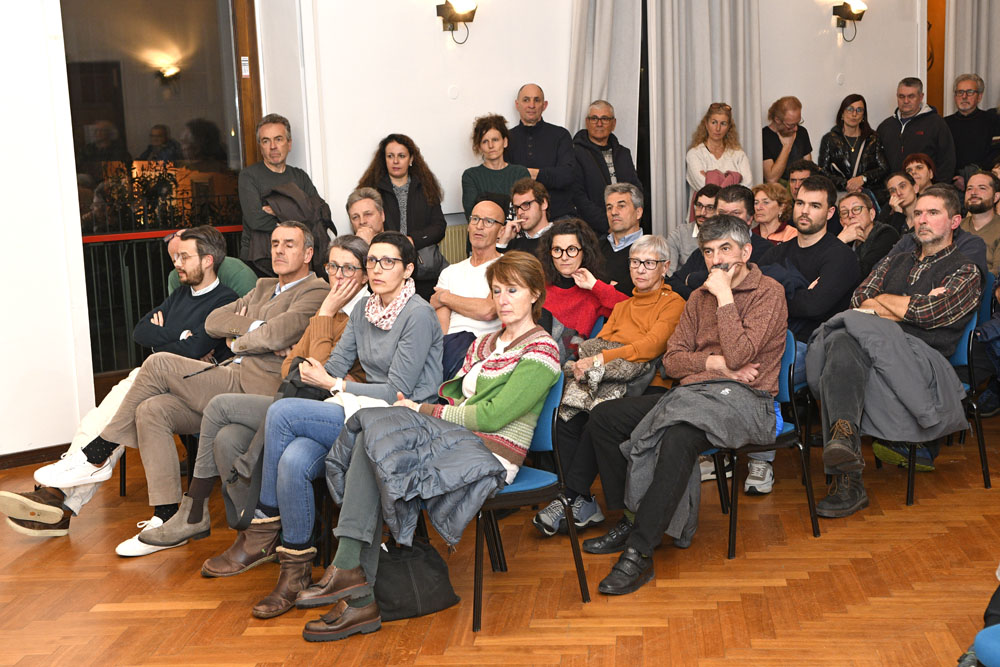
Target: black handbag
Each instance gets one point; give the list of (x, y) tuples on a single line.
[(294, 387), (412, 581)]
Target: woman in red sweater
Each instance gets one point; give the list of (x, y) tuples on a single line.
[(574, 268)]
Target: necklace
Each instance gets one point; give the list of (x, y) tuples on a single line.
[(852, 146)]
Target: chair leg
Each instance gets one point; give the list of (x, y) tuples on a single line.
[(581, 575), (477, 586), (121, 474), (804, 458), (733, 502), (720, 480), (911, 473), (494, 527), (491, 547), (982, 446), (878, 463)]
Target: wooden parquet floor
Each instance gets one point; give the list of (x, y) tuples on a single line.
[(893, 585)]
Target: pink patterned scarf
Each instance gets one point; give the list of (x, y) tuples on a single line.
[(384, 317)]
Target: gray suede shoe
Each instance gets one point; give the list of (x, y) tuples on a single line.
[(177, 529)]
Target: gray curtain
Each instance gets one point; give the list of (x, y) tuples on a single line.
[(971, 45), (699, 53)]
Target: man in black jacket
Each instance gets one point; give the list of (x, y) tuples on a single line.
[(972, 129), (546, 150), (916, 127), (600, 161)]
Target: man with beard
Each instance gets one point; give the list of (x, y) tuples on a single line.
[(683, 238), (981, 194)]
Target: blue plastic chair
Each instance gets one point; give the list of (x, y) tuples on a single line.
[(987, 646), (530, 487), (790, 436), (598, 325)]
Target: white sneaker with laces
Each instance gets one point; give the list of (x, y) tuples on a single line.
[(73, 469), (707, 465), (760, 480), (133, 547)]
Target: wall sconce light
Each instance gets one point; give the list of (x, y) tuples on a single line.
[(853, 11), (169, 71), (453, 13)]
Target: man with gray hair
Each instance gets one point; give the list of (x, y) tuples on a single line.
[(274, 140), (972, 129), (623, 206), (364, 209), (915, 127), (600, 161)]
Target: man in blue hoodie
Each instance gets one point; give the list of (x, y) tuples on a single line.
[(916, 127)]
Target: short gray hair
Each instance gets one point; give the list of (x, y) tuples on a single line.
[(974, 78), (654, 243), (912, 82), (355, 245), (302, 227), (602, 103), (624, 189), (273, 118), (724, 227), (364, 193)]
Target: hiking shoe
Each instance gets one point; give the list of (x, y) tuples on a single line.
[(41, 529), (586, 512), (842, 451), (549, 520), (899, 455), (707, 464), (43, 505), (988, 403), (845, 497), (760, 479)]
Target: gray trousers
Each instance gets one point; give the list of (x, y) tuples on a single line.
[(230, 424), (361, 513)]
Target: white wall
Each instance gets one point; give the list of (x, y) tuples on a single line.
[(802, 53), (384, 66), (47, 374)]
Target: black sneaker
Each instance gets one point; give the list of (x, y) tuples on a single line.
[(612, 542), (845, 497), (628, 575)]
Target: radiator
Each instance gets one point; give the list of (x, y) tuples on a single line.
[(453, 244)]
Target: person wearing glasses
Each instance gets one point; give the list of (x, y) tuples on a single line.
[(574, 268), (396, 337), (462, 298), (870, 240), (851, 154), (232, 424), (637, 331), (494, 176), (972, 129), (530, 201), (784, 138), (683, 239), (601, 161)]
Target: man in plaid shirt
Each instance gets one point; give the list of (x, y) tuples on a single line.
[(931, 293)]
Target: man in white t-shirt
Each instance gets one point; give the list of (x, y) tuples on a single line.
[(462, 297)]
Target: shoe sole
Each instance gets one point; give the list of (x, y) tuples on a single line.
[(197, 536), (842, 458), (52, 532), (891, 457), (149, 553), (841, 513), (18, 507), (547, 531), (326, 600), (643, 579), (271, 614), (366, 628), (759, 489), (208, 574), (592, 520)]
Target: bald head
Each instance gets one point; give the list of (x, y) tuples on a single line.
[(530, 103), (483, 234)]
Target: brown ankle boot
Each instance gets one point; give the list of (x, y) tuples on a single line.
[(253, 546), (334, 585), (295, 576)]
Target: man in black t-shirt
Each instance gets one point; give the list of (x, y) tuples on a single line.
[(784, 138)]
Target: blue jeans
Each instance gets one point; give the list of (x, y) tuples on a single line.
[(299, 433)]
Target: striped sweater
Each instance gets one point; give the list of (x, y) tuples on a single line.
[(510, 391)]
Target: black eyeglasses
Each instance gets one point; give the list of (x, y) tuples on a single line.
[(966, 93), (480, 221), (525, 205), (347, 269), (571, 251), (387, 263), (600, 120), (851, 212), (648, 264)]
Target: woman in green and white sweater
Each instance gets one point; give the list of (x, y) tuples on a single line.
[(498, 395)]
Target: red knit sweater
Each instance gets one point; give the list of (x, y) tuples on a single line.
[(578, 308)]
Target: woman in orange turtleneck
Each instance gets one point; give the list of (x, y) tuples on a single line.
[(643, 324)]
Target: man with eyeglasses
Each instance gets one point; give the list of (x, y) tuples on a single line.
[(530, 201), (784, 138), (683, 238), (972, 129), (915, 127), (545, 149), (462, 297), (624, 215), (601, 160), (870, 240)]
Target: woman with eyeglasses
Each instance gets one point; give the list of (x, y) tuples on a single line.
[(574, 267), (395, 336), (411, 200), (851, 154), (494, 176), (637, 331)]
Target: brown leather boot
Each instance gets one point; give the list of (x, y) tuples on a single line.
[(334, 585), (295, 576), (343, 621), (253, 546)]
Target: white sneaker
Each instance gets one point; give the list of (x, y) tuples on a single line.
[(133, 547), (760, 480), (73, 469), (707, 464)]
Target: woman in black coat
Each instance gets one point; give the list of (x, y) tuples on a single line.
[(851, 154), (411, 199)]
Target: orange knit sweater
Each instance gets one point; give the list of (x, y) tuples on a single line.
[(643, 324)]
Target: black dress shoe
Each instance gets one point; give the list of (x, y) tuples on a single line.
[(629, 574), (613, 542)]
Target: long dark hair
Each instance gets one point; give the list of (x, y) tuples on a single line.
[(593, 260), (376, 169), (866, 129)]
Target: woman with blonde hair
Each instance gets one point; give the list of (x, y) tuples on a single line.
[(772, 212), (715, 155)]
